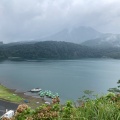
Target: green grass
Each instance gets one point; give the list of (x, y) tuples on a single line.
[(5, 94)]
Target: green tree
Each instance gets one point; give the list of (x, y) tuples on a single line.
[(115, 90)]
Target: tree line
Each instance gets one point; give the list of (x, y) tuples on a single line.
[(54, 50)]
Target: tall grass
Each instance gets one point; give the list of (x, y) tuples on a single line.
[(102, 108)]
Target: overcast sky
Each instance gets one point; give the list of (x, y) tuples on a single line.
[(32, 19)]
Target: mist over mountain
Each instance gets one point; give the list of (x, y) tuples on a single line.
[(75, 35), (70, 43), (105, 40)]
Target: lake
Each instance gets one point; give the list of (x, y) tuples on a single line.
[(67, 77)]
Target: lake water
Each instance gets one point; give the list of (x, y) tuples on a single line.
[(67, 77)]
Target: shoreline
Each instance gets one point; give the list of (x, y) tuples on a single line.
[(32, 102)]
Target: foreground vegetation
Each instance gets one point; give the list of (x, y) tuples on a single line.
[(103, 108), (100, 108), (5, 94)]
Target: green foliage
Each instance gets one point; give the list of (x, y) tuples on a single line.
[(100, 109), (103, 108), (56, 107), (67, 110), (115, 90), (25, 114), (88, 95)]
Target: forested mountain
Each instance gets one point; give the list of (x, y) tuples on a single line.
[(2, 53), (74, 35), (46, 50), (54, 50)]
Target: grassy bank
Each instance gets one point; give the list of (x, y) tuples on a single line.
[(11, 96), (6, 94)]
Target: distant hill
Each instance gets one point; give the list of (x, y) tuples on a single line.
[(54, 50), (46, 50), (106, 40), (1, 43), (75, 35)]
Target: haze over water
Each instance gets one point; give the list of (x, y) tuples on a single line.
[(67, 77)]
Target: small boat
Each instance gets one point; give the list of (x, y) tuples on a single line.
[(35, 90), (48, 103)]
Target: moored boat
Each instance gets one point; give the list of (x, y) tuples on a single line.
[(35, 90), (48, 94)]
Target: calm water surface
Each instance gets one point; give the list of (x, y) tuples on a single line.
[(67, 77)]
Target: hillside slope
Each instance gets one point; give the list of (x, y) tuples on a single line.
[(75, 35), (106, 40)]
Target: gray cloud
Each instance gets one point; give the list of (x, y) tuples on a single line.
[(32, 19)]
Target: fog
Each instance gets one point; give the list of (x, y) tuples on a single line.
[(23, 20)]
